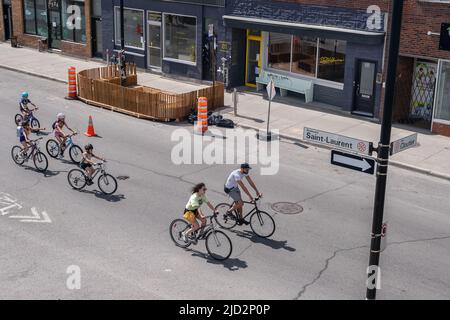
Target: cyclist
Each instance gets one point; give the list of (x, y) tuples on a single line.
[(192, 211), (57, 126), (231, 188), (87, 163), (24, 132), (23, 105)]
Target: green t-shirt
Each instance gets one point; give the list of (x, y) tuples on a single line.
[(195, 201)]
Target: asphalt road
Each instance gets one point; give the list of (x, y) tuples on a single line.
[(121, 242)]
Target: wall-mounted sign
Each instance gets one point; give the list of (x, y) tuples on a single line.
[(224, 46), (444, 42), (53, 4)]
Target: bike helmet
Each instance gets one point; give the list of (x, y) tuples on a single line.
[(88, 147), (245, 166), (61, 116), (24, 94)]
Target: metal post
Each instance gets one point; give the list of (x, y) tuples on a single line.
[(122, 43), (213, 63), (383, 150), (235, 101), (269, 135)]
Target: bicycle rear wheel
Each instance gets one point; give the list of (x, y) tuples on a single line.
[(16, 155), (262, 224), (176, 228), (52, 147), (223, 218), (107, 184), (77, 179), (18, 119), (218, 245), (76, 154), (40, 161)]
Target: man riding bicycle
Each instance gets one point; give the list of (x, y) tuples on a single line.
[(23, 105), (231, 188), (192, 211), (57, 126)]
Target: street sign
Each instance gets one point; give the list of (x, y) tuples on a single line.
[(354, 162), (271, 91), (337, 141), (403, 144), (210, 30)]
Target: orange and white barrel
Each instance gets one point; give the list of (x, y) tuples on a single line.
[(202, 115), (72, 89)]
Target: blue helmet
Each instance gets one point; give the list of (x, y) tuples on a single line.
[(24, 94)]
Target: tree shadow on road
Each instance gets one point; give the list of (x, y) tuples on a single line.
[(274, 244), (232, 264), (101, 195)]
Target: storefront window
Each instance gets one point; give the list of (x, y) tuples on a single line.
[(41, 18), (443, 93), (280, 46), (304, 55), (30, 16), (332, 60), (133, 27), (74, 27), (180, 34)]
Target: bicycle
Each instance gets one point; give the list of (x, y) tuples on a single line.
[(217, 243), (34, 122), (39, 159), (107, 183), (261, 223), (75, 151)]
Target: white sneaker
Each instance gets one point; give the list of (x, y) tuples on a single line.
[(184, 237)]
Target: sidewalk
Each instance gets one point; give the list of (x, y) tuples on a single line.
[(54, 66), (288, 115)]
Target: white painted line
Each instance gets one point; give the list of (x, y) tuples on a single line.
[(35, 217)]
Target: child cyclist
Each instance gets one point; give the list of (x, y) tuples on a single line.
[(24, 133), (23, 104), (192, 211), (87, 163)]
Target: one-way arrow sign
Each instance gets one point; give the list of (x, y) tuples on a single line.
[(354, 162)]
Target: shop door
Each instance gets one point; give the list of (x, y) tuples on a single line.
[(7, 21), (55, 27), (364, 88), (97, 44), (154, 45), (253, 65)]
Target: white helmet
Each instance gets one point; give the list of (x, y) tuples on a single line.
[(61, 116)]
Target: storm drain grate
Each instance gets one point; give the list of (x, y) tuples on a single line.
[(287, 208)]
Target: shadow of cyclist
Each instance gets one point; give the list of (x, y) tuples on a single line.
[(274, 244), (47, 173), (232, 264), (101, 195)]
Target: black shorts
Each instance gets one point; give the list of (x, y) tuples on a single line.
[(194, 211), (84, 165)]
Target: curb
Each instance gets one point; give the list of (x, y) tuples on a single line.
[(394, 163), (33, 74)]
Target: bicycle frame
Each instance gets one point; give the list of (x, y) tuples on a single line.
[(100, 168), (34, 147), (255, 208), (202, 232)]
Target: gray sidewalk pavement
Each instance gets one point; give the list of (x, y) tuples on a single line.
[(288, 115)]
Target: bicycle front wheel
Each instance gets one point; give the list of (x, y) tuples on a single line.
[(262, 224), (40, 161), (218, 245), (52, 147), (76, 154), (16, 154), (77, 179), (107, 184), (35, 123), (223, 218), (177, 227)]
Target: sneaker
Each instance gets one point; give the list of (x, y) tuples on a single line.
[(184, 237), (60, 156), (89, 182)]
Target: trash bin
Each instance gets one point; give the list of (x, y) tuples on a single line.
[(14, 42), (42, 44)]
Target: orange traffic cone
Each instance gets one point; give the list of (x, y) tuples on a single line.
[(90, 130)]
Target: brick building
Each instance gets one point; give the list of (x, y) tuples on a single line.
[(69, 26), (423, 75)]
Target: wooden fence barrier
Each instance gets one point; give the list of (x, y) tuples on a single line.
[(101, 87)]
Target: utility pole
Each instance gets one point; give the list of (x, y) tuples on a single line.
[(383, 150), (122, 44)]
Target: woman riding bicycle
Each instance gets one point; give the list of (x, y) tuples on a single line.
[(58, 125), (192, 211), (87, 163)]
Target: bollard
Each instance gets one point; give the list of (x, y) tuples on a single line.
[(202, 115), (235, 100), (72, 87)]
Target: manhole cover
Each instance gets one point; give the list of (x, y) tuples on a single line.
[(123, 177), (287, 208)]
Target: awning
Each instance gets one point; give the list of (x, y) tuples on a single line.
[(339, 33)]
